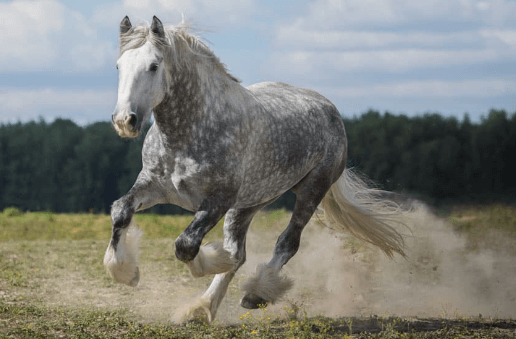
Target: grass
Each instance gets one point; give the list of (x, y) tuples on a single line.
[(35, 321), (16, 226), (50, 226), (53, 284), (487, 226)]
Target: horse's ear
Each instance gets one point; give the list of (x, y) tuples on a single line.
[(125, 25), (157, 27)]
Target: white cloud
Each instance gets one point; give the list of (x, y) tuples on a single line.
[(82, 106), (368, 54), (388, 24), (430, 89), (508, 37), (381, 13), (45, 35), (393, 37), (205, 14), (349, 13), (294, 36), (304, 62)]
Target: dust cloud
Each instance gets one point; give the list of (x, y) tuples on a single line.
[(440, 277)]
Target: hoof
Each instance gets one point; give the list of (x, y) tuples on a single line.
[(266, 286), (134, 282), (251, 301), (195, 313), (124, 273), (200, 315), (122, 264)]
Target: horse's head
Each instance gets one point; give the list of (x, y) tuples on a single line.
[(142, 78)]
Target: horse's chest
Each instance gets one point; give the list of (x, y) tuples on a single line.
[(185, 172), (184, 176)]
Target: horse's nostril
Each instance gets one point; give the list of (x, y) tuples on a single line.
[(133, 119)]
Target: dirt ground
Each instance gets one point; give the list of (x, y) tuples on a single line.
[(439, 282)]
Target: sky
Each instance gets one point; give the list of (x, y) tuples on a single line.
[(407, 57)]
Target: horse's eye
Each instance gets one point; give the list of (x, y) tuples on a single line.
[(153, 67), (116, 66)]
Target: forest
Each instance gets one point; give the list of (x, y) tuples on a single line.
[(63, 167)]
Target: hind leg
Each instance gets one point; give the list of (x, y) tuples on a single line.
[(267, 285), (236, 225)]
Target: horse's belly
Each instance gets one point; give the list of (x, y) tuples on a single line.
[(264, 187)]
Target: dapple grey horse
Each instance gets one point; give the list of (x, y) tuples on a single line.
[(217, 148)]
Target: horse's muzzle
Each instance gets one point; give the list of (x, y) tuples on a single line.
[(126, 125)]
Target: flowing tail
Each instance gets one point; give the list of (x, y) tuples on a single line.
[(355, 207)]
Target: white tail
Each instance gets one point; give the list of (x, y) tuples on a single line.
[(354, 207)]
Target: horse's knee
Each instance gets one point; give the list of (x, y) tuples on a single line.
[(121, 214), (186, 248)]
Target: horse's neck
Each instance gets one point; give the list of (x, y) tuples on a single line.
[(195, 97)]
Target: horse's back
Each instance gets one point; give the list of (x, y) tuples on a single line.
[(284, 99)]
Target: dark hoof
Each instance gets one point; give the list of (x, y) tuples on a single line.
[(251, 301)]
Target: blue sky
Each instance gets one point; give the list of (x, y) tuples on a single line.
[(449, 56)]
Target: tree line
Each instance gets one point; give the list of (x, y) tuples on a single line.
[(63, 167)]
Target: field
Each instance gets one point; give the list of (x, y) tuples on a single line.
[(457, 282)]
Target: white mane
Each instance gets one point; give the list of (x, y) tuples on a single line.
[(179, 45)]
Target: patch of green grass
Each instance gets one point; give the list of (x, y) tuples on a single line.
[(486, 226), (49, 226), (11, 271), (22, 320), (12, 212), (484, 218)]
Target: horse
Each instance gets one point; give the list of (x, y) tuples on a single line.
[(219, 149)]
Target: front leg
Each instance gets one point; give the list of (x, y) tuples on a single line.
[(121, 258), (235, 230), (210, 259)]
